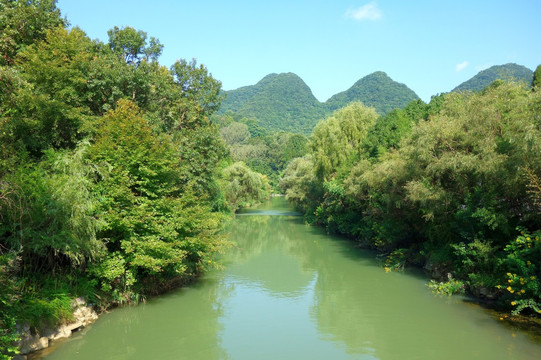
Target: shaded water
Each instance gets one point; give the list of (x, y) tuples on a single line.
[(288, 291)]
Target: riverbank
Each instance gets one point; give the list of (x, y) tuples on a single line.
[(35, 339), (288, 290)]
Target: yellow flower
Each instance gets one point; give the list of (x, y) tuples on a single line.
[(509, 288), (522, 291), (513, 303), (532, 277), (509, 281), (528, 238)]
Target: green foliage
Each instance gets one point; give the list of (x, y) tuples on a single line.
[(448, 288), (507, 72), (536, 81), (24, 22), (389, 130), (438, 170), (48, 213), (445, 183), (131, 45), (376, 90), (243, 186), (300, 184), (48, 109), (336, 141), (50, 308), (235, 133), (201, 152), (109, 168), (396, 260), (197, 86), (279, 102), (284, 102), (264, 152), (155, 225), (477, 262), (8, 304), (523, 287)]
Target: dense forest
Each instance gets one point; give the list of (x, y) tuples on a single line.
[(114, 184), (283, 102), (453, 186), (508, 72), (118, 174), (279, 102), (376, 90)]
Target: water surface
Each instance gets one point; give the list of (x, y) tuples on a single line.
[(289, 291)]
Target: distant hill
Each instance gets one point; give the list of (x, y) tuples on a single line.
[(279, 102), (377, 90), (285, 102), (503, 72)]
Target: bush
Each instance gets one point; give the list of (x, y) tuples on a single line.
[(523, 287), (448, 288)]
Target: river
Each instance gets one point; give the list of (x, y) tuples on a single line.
[(290, 291)]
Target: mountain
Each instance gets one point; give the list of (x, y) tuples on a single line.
[(279, 102), (377, 90), (285, 102), (503, 72)]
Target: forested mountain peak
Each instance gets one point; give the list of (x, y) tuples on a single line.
[(377, 90), (510, 71), (284, 101), (279, 101)]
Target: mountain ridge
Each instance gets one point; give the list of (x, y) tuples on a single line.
[(285, 102), (483, 78), (371, 89)]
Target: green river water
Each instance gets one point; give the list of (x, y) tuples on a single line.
[(289, 291)]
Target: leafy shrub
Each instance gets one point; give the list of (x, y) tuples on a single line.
[(523, 286), (448, 288), (8, 304), (396, 260)]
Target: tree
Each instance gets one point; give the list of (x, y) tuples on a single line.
[(300, 184), (131, 45), (49, 109), (536, 82), (336, 141), (156, 227), (235, 133), (244, 187), (24, 22), (198, 86), (48, 213)]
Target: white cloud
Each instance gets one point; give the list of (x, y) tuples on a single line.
[(462, 66), (369, 11)]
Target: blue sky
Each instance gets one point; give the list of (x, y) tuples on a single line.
[(431, 46)]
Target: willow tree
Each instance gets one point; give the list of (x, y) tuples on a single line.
[(244, 187), (336, 141)]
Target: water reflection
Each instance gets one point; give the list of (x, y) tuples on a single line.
[(289, 291), (358, 310), (180, 325)]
